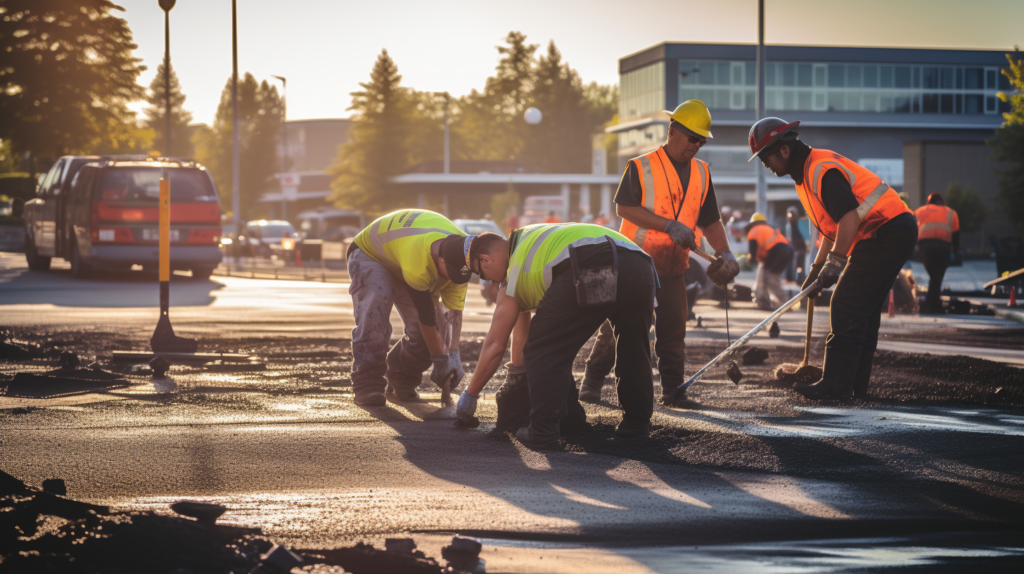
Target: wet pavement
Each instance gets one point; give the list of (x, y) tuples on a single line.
[(758, 479)]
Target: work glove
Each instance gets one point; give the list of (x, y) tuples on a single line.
[(466, 407), (811, 277), (456, 363), (724, 269), (442, 370), (681, 234), (830, 272)]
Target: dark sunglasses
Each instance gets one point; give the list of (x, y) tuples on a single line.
[(699, 142)]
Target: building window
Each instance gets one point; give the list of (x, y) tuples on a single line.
[(642, 91)]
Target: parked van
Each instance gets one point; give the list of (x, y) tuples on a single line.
[(105, 216)]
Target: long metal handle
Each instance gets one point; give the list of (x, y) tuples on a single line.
[(807, 337), (778, 313), (703, 254)]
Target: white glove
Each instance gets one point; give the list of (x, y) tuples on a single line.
[(466, 407)]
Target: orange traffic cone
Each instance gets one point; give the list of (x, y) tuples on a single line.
[(1013, 296), (298, 256), (892, 304)]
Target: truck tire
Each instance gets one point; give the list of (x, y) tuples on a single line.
[(35, 261), (79, 268)]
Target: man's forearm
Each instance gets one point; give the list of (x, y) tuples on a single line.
[(519, 336), (455, 320), (432, 339), (717, 237), (642, 217), (847, 232)]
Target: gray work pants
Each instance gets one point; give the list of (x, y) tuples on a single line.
[(375, 291)]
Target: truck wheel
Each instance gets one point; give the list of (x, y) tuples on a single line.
[(202, 273), (79, 268), (35, 261)]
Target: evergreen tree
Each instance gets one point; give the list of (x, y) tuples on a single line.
[(1008, 144), (68, 74), (156, 118), (561, 143), (259, 123), (379, 142), (968, 204)]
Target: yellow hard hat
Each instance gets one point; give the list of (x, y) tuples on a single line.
[(758, 217), (694, 116)]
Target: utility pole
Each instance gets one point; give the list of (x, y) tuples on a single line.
[(236, 200), (168, 137), (284, 139), (759, 111)]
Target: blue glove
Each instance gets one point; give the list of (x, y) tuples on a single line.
[(466, 407), (455, 361), (442, 370)]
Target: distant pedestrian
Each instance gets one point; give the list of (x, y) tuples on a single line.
[(938, 236), (797, 269), (773, 254), (553, 218)]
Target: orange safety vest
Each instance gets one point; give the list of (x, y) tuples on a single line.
[(766, 237), (664, 195), (878, 202), (936, 222)]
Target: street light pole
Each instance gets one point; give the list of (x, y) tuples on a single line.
[(284, 139), (759, 112), (236, 200), (166, 5)]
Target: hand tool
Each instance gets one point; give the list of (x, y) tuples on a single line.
[(790, 373)]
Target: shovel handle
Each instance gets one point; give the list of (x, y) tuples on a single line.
[(703, 254), (807, 337)]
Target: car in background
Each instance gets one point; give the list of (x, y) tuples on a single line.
[(270, 237), (103, 213)]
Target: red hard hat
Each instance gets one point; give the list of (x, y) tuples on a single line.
[(933, 196), (766, 132)]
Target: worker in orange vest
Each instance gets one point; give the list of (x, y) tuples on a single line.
[(667, 201), (938, 236), (773, 254), (867, 234)]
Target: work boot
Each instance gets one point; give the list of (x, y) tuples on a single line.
[(675, 398), (370, 400), (575, 419), (837, 378), (633, 429), (863, 378), (590, 390), (536, 441), (402, 395)]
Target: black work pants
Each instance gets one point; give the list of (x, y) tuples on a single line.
[(863, 289), (935, 255), (561, 328)]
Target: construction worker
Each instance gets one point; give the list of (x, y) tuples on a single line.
[(664, 197), (938, 236), (406, 260), (773, 254), (868, 233), (575, 276)]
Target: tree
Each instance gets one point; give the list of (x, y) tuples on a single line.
[(379, 143), (561, 143), (67, 76), (156, 118), (1008, 144), (968, 204), (259, 123)]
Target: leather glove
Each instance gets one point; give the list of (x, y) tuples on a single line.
[(830, 272), (681, 234), (455, 361), (442, 370), (811, 277), (724, 269), (466, 407)]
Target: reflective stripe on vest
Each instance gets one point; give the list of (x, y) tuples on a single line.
[(374, 237), (877, 202), (928, 228)]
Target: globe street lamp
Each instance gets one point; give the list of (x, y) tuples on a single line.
[(284, 139), (166, 6), (533, 116)]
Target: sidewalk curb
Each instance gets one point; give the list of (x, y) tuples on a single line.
[(1010, 314)]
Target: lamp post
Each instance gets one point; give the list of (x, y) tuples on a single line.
[(759, 111), (166, 6), (284, 139), (235, 162)]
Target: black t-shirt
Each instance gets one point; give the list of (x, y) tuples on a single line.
[(631, 194), (837, 195)]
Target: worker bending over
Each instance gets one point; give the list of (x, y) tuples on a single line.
[(773, 254), (405, 260), (938, 236), (663, 198), (868, 233), (575, 276)]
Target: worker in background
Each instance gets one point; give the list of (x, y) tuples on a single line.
[(773, 254), (938, 236), (868, 233), (797, 269), (406, 259), (575, 276), (664, 198), (553, 218)]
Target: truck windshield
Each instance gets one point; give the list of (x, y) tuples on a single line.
[(143, 184)]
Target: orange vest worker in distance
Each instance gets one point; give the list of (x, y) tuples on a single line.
[(938, 239), (766, 237), (936, 221)]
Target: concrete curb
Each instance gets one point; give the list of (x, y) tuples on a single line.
[(1011, 314)]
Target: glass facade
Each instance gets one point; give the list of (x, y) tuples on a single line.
[(642, 91), (826, 87)]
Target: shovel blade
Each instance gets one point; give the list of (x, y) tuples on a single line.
[(165, 341)]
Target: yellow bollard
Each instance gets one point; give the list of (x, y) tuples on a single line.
[(164, 340)]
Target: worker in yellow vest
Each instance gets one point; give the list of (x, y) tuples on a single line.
[(771, 251), (867, 234), (667, 202), (938, 237)]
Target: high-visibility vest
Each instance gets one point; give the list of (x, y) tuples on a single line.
[(936, 222), (766, 237), (878, 202), (537, 249), (664, 195), (401, 240)]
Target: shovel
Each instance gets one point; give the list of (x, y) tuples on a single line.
[(790, 373), (164, 340)]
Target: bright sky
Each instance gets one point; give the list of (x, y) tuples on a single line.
[(326, 47)]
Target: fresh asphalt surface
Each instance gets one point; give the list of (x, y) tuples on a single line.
[(313, 469)]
